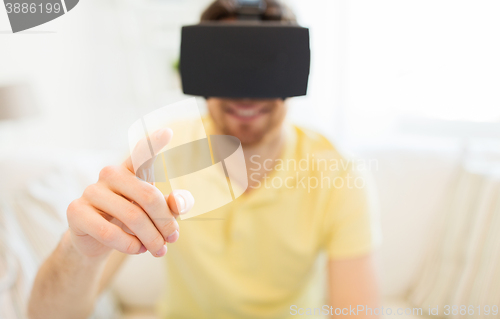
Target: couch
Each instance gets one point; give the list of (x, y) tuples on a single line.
[(413, 183)]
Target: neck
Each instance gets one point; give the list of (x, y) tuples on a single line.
[(269, 149)]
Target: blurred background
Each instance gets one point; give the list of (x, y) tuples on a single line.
[(376, 68), (412, 84)]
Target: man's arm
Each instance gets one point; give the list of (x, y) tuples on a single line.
[(353, 282), (70, 282), (67, 283), (115, 261)]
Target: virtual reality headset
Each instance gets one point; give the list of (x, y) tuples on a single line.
[(245, 59)]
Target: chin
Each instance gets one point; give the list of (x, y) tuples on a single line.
[(247, 140), (248, 120), (246, 135)]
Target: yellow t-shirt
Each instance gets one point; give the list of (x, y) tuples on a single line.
[(266, 251)]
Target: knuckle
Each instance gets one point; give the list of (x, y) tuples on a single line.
[(73, 209), (108, 172), (133, 216), (132, 247), (158, 241), (150, 196), (171, 225), (106, 233), (90, 191)]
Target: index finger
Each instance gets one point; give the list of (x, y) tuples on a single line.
[(145, 151)]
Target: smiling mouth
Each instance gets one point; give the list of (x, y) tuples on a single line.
[(246, 112)]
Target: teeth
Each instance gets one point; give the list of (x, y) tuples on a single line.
[(246, 113)]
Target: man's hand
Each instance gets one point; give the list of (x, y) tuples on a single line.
[(103, 219), (122, 212)]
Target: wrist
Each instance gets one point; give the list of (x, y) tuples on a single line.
[(70, 250)]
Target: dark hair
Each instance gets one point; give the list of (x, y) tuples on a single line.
[(227, 9)]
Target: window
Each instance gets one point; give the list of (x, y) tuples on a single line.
[(399, 60)]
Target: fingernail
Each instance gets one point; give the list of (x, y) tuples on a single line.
[(184, 200), (143, 249), (172, 238), (181, 203), (160, 134), (161, 252)]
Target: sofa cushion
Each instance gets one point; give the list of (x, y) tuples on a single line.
[(463, 265), (34, 194)]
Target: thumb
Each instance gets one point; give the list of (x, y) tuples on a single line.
[(180, 201)]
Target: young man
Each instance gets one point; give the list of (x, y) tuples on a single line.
[(261, 256)]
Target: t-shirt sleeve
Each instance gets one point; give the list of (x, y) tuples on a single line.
[(351, 225)]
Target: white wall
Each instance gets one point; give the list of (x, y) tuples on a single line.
[(103, 64), (78, 73), (96, 69), (91, 71), (420, 59)]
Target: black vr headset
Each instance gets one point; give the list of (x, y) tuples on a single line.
[(247, 58)]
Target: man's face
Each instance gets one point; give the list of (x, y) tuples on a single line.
[(249, 120)]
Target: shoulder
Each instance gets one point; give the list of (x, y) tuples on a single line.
[(309, 142), (324, 158)]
